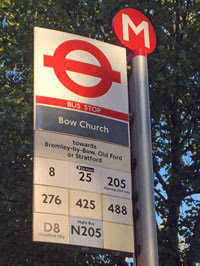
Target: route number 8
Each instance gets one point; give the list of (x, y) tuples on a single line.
[(52, 171)]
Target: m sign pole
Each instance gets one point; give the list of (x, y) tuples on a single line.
[(134, 31)]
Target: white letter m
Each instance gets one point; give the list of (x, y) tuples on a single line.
[(126, 21)]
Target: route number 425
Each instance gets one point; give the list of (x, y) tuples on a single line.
[(84, 203)]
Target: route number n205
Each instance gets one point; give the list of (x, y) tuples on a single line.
[(84, 231)]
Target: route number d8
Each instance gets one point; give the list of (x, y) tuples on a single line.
[(48, 227)]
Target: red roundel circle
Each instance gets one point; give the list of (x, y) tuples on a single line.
[(134, 31), (61, 64)]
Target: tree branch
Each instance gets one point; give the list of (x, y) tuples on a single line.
[(158, 175), (158, 192)]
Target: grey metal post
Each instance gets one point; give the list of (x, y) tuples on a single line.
[(141, 152)]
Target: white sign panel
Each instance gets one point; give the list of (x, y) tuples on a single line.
[(118, 210), (70, 148), (85, 177), (51, 172), (82, 174), (86, 232), (51, 200), (50, 228), (80, 87), (80, 70), (85, 204), (116, 183), (118, 237)]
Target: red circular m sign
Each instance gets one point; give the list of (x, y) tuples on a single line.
[(134, 31), (61, 64)]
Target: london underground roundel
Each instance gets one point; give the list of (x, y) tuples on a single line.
[(61, 64), (134, 31)]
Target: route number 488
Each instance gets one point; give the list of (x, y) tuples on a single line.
[(117, 209)]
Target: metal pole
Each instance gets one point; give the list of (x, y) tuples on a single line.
[(141, 152)]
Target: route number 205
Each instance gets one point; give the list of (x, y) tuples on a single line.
[(116, 182)]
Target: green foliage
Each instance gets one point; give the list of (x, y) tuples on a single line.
[(174, 88), (175, 125)]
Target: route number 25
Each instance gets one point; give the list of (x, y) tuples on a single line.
[(85, 177)]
